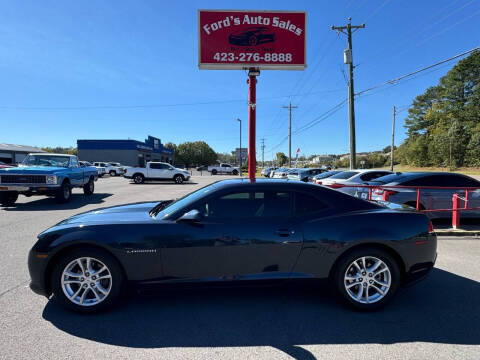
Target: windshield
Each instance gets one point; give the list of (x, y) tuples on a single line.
[(184, 201), (344, 175), (46, 160)]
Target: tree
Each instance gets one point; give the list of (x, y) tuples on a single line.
[(281, 158), (61, 150), (195, 153), (444, 122)]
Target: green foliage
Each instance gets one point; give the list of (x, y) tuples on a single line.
[(443, 124), (61, 150), (281, 158), (195, 153)]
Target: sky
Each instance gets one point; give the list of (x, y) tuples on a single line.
[(127, 69)]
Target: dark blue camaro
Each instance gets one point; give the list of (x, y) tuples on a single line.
[(235, 231)]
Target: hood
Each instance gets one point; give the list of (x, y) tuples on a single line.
[(115, 214), (34, 170)]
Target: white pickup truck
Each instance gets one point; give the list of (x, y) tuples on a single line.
[(112, 170), (224, 169), (156, 171)]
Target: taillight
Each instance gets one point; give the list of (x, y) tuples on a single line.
[(319, 182), (430, 227), (336, 186)]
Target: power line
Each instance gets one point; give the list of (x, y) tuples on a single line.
[(149, 106), (394, 81)]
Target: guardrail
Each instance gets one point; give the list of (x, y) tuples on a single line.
[(456, 208)]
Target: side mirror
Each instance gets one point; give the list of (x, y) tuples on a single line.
[(191, 217)]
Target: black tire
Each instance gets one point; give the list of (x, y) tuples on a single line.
[(8, 198), (345, 264), (138, 179), (89, 187), (98, 256), (178, 179), (234, 172), (112, 173), (214, 172), (64, 194)]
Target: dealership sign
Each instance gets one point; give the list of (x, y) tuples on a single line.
[(231, 39)]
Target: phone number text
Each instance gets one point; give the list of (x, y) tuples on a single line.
[(255, 57)]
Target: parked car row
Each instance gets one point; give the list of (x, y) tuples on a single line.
[(430, 199)]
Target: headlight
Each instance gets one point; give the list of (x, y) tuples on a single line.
[(51, 179)]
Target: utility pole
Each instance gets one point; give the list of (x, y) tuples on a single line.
[(348, 59), (240, 150), (290, 107), (263, 152), (393, 138)]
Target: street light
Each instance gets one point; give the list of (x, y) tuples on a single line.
[(240, 150)]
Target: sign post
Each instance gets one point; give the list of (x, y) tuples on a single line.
[(252, 104), (251, 40)]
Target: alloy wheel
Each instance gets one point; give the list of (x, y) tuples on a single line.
[(367, 280), (86, 281)]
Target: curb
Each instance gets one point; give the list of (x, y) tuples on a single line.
[(457, 232)]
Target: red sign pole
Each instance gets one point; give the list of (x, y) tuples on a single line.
[(252, 88)]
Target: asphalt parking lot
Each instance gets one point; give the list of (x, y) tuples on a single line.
[(439, 317)]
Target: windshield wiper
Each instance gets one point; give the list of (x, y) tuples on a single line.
[(159, 207)]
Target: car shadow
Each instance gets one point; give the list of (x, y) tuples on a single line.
[(49, 203), (442, 309), (164, 183)]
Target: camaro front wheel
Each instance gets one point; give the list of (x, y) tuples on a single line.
[(87, 280), (367, 279)]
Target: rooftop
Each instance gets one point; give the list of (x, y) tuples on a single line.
[(22, 148)]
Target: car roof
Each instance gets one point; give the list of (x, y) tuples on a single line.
[(409, 175), (233, 183), (50, 154)]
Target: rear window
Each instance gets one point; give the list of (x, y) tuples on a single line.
[(344, 175)]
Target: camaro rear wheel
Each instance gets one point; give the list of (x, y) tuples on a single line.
[(87, 280), (367, 279)]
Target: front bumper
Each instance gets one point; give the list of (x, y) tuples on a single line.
[(29, 187)]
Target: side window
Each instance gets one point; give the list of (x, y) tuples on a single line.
[(250, 205), (452, 180), (306, 204), (74, 162), (164, 166), (423, 181), (234, 205), (155, 166)]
